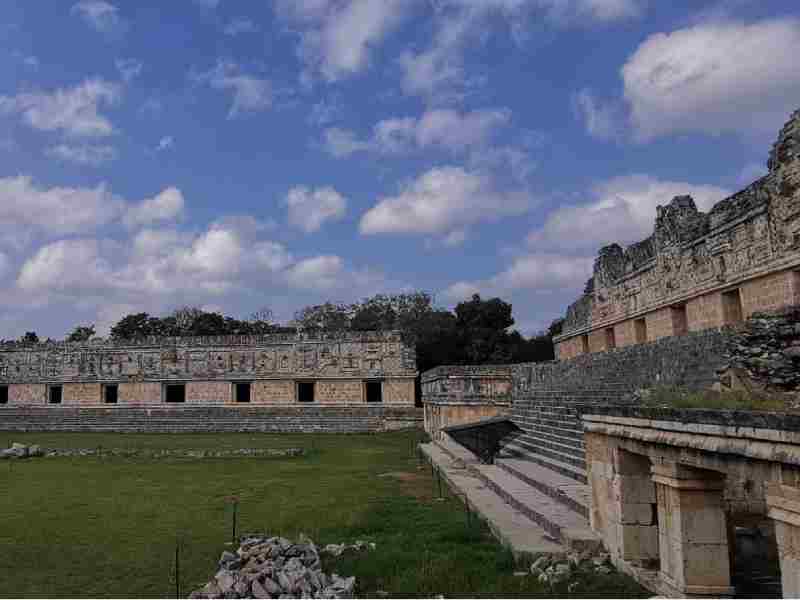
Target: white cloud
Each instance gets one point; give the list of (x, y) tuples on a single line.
[(166, 206), (565, 11), (602, 121), (442, 128), (250, 94), (336, 36), (239, 25), (623, 210), (309, 209), (542, 273), (25, 205), (318, 273), (343, 142), (100, 15), (714, 78), (93, 156), (129, 68), (442, 201), (165, 143), (74, 265), (437, 73), (73, 110)]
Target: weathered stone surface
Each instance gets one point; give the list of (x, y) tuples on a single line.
[(274, 567), (750, 240)]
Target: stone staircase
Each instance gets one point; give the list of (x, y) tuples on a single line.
[(267, 419), (542, 473)]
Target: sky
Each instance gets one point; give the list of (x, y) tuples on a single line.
[(241, 154)]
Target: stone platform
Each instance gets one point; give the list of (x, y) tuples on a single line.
[(264, 419)]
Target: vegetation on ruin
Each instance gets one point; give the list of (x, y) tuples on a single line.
[(107, 527), (675, 397)]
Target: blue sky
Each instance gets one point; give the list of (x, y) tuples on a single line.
[(237, 154)]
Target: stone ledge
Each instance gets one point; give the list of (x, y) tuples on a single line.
[(769, 451)]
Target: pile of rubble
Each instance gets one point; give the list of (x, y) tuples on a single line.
[(18, 450), (767, 349), (554, 570), (274, 567)]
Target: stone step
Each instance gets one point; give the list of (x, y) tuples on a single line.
[(532, 446), (559, 520), (512, 527), (577, 496), (573, 442), (573, 424), (575, 434), (576, 451), (566, 469)]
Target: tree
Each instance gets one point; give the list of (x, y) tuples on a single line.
[(30, 337), (133, 326), (82, 333), (208, 323), (327, 317), (482, 325), (185, 317)]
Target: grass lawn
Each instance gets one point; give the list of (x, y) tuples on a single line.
[(107, 527)]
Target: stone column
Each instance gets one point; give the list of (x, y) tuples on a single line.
[(623, 502), (692, 534), (783, 507)]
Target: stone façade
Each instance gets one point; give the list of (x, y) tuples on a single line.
[(673, 281), (216, 358), (361, 381)]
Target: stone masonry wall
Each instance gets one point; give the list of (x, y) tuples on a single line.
[(350, 355), (680, 278), (690, 361)]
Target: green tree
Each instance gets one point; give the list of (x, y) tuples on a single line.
[(327, 317), (30, 337), (82, 333), (482, 326)]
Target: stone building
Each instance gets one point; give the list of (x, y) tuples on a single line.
[(455, 395), (697, 270), (306, 373)]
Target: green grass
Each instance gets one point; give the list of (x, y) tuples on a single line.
[(107, 527), (673, 397)]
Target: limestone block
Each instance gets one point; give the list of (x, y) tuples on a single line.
[(635, 489), (638, 542), (636, 513), (706, 564)]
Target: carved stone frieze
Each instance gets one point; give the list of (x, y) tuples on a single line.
[(373, 354), (691, 252)]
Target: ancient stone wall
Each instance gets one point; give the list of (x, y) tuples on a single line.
[(223, 358), (698, 270), (670, 487), (690, 361), (205, 373), (454, 395)]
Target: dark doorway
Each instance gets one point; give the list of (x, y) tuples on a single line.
[(3, 394), (242, 392), (305, 391), (111, 393), (374, 391), (175, 393), (56, 393)]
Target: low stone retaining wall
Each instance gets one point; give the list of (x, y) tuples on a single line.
[(670, 488), (290, 419), (21, 451)]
